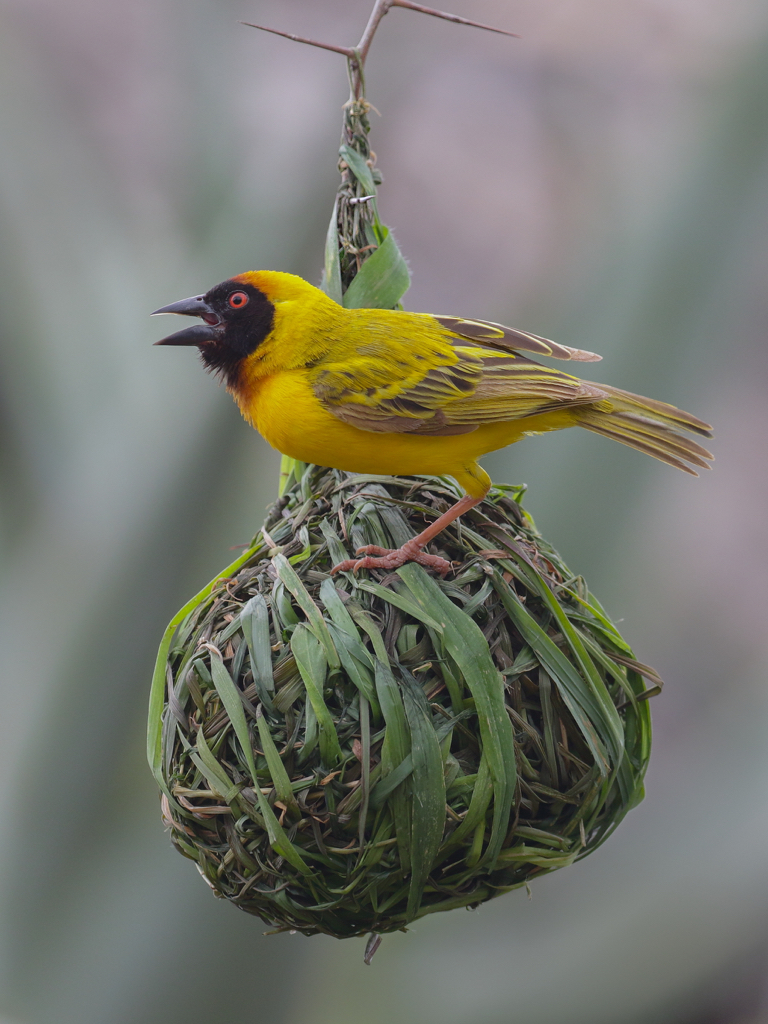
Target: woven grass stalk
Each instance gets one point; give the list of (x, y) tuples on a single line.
[(347, 754)]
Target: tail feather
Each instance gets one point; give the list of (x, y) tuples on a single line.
[(649, 426), (625, 401)]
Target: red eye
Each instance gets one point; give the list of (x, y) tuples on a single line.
[(237, 300)]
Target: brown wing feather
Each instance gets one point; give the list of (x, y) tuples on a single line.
[(488, 333), (483, 386)]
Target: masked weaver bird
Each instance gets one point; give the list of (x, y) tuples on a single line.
[(397, 393)]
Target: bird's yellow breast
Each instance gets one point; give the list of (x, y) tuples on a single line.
[(285, 411)]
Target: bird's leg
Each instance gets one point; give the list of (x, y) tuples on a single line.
[(411, 551)]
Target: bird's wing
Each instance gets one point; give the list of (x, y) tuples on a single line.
[(507, 338), (451, 389)]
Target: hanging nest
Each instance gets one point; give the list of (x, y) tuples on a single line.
[(345, 754)]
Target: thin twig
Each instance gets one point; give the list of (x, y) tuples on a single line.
[(380, 8), (347, 51), (452, 17), (356, 55)]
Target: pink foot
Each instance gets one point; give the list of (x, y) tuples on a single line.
[(392, 558)]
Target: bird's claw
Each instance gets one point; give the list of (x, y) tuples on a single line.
[(392, 558)]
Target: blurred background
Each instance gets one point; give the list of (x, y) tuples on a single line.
[(601, 181)]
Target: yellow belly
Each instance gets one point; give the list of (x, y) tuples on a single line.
[(284, 410)]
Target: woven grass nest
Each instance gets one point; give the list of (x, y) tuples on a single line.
[(346, 754)]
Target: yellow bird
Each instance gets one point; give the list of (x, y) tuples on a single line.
[(385, 391)]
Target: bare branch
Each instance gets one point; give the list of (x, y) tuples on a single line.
[(347, 51), (356, 55), (380, 8), (450, 17)]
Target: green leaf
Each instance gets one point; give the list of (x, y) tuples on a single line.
[(336, 549), (549, 859), (331, 598), (311, 663), (468, 648), (382, 280), (394, 750), (213, 772), (278, 774), (574, 691), (233, 705), (254, 620), (315, 619), (331, 284), (157, 689), (428, 792), (386, 785), (345, 623), (359, 168), (607, 715), (403, 602), (230, 698), (357, 671), (397, 744), (392, 518), (365, 773), (364, 620), (608, 627), (482, 792), (217, 778), (445, 667), (310, 732)]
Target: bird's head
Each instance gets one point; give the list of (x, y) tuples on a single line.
[(237, 316)]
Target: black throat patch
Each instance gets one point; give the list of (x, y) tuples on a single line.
[(241, 328)]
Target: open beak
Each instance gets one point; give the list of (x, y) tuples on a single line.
[(199, 334)]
